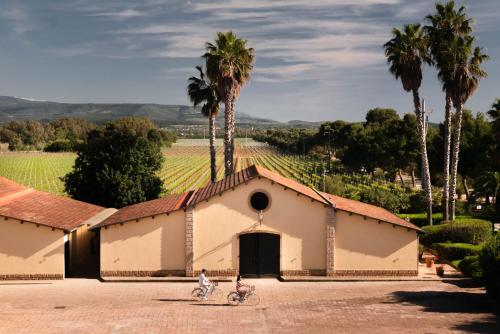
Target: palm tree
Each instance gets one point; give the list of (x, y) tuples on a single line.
[(406, 53), (466, 73), (201, 90), (444, 26), (229, 62)]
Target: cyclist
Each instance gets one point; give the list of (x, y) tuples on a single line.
[(205, 283), (241, 288)]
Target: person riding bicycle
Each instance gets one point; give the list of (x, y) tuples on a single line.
[(204, 282), (241, 288)]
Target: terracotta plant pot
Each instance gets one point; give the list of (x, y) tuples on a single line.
[(429, 261), (440, 271)]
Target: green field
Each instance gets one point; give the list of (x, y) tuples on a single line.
[(186, 166)]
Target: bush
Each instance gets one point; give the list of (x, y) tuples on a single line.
[(471, 231), (489, 259), (393, 201), (59, 146), (456, 251), (471, 267)]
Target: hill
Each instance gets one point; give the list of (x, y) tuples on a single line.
[(18, 109)]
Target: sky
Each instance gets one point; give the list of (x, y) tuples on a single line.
[(315, 59)]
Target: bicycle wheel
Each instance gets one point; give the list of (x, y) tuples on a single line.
[(253, 300), (233, 298), (216, 294), (197, 293)]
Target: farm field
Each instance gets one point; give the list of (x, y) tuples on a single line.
[(186, 166)]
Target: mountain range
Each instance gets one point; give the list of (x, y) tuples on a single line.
[(20, 109)]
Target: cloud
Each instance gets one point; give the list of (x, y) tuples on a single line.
[(259, 4), (19, 19), (122, 14)]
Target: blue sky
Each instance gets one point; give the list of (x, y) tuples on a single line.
[(315, 59)]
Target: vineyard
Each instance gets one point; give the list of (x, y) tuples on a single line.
[(186, 167)]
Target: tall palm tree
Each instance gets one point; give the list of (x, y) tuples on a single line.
[(201, 90), (406, 53), (229, 63), (445, 25), (466, 74)]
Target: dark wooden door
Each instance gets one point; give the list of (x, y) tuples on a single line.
[(259, 254)]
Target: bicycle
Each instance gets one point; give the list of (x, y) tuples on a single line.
[(251, 298), (213, 292)]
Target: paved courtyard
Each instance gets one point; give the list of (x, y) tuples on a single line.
[(91, 306)]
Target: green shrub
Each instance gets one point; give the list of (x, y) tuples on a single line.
[(456, 251), (489, 259), (59, 146), (471, 231), (471, 267), (389, 199)]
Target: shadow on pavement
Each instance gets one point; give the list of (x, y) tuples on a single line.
[(205, 304), (173, 300), (457, 302)]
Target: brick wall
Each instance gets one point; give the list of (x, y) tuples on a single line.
[(189, 242), (31, 277), (330, 241)]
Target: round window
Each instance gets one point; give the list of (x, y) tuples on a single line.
[(259, 201)]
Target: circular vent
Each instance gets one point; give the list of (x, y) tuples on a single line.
[(259, 201)]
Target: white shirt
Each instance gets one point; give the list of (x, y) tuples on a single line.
[(202, 280)]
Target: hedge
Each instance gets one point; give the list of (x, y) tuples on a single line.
[(420, 219), (471, 267), (471, 231), (489, 259), (456, 251)]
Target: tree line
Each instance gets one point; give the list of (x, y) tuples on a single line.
[(389, 143), (66, 133)]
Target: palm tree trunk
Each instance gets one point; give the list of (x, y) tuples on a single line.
[(454, 158), (213, 162), (228, 136), (426, 182), (446, 165)]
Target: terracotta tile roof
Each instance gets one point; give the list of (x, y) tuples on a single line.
[(246, 175), (146, 209), (368, 210), (50, 210), (8, 187)]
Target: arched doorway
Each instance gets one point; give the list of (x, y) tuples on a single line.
[(259, 254)]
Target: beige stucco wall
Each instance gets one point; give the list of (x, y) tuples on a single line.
[(300, 222), (147, 245), (367, 245), (28, 249)]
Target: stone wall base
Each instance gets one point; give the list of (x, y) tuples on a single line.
[(307, 272), (13, 277), (389, 273), (226, 272), (142, 273)]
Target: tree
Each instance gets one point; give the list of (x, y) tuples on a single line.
[(229, 63), (445, 25), (466, 74), (204, 91), (406, 53), (116, 167)]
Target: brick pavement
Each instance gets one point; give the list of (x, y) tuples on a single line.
[(90, 306)]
